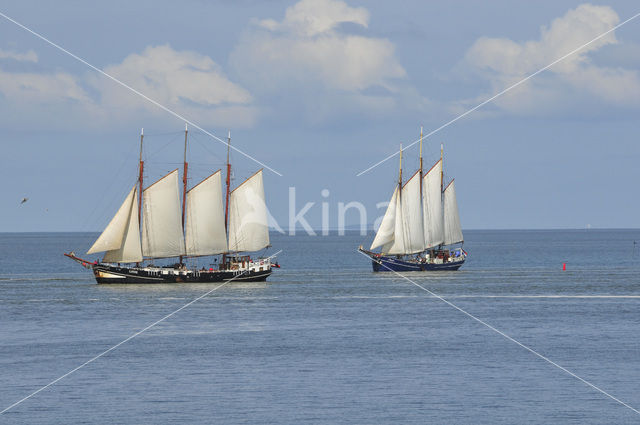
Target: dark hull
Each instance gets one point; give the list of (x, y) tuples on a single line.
[(385, 263), (113, 274)]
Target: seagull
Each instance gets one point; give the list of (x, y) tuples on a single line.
[(24, 200)]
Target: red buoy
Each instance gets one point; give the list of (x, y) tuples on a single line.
[(564, 266)]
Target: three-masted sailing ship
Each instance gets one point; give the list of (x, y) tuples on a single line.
[(420, 230), (158, 223)]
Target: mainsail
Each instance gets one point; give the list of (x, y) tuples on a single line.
[(204, 227), (412, 216), (121, 238), (432, 206), (452, 229), (162, 231), (248, 226)]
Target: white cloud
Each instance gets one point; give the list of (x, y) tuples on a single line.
[(313, 17), (576, 82), (30, 88), (29, 56), (170, 76), (187, 82), (309, 55)]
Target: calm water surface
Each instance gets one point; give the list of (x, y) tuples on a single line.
[(328, 341)]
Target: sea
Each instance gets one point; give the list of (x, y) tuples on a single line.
[(537, 327)]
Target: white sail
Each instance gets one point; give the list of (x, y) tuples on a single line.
[(248, 226), (113, 235), (412, 215), (130, 251), (162, 231), (432, 206), (452, 229), (387, 227), (204, 227), (398, 245)]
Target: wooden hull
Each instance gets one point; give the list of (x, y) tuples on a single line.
[(107, 273)]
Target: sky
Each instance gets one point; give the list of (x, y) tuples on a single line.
[(320, 90)]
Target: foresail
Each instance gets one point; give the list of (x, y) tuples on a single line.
[(387, 227), (432, 206), (113, 235), (130, 251), (204, 227), (452, 229), (162, 231), (412, 215), (398, 245), (248, 226)]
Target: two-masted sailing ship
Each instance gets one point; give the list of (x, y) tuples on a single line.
[(420, 230), (158, 222)]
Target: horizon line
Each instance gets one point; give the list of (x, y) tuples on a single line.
[(368, 229)]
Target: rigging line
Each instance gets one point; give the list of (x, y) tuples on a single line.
[(531, 350), (447, 124), (169, 133), (124, 186), (175, 138), (100, 204), (205, 147), (125, 340), (159, 105)]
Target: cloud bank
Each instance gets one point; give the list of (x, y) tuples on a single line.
[(318, 64), (187, 82), (575, 84), (312, 52), (29, 56)]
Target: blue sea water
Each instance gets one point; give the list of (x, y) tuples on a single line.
[(325, 340)]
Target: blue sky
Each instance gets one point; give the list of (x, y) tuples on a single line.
[(320, 90)]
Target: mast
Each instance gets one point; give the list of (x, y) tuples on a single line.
[(442, 169), (421, 174), (226, 208), (400, 174), (184, 179), (140, 176), (421, 152), (228, 192), (140, 169), (442, 183)]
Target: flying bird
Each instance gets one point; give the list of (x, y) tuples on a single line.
[(24, 200)]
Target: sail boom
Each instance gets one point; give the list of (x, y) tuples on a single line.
[(247, 180), (205, 179)]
